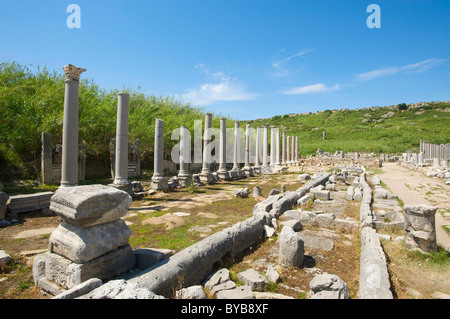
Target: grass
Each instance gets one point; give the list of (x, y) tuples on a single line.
[(409, 269)]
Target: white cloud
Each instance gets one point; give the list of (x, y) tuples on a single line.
[(418, 67), (312, 89), (280, 71), (225, 88)]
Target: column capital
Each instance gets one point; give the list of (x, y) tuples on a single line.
[(72, 72)]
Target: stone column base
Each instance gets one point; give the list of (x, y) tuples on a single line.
[(248, 171), (184, 180), (206, 177), (160, 183), (223, 175), (67, 274)]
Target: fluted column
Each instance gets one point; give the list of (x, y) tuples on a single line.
[(159, 182), (184, 178), (69, 168), (283, 149), (206, 176), (288, 152), (265, 145), (121, 158), (222, 171), (247, 169), (257, 167)]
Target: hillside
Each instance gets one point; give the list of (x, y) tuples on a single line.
[(390, 129)]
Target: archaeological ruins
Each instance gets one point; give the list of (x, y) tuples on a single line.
[(89, 255)]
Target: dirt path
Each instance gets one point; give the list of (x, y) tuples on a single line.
[(414, 188)]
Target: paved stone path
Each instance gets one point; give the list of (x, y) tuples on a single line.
[(414, 188)]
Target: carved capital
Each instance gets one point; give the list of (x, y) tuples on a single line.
[(72, 72)]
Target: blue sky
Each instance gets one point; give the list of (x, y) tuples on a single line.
[(246, 59)]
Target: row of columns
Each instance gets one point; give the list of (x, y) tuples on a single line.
[(289, 153), (69, 172), (431, 151)]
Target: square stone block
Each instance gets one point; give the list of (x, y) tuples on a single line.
[(68, 274), (81, 245), (90, 205)]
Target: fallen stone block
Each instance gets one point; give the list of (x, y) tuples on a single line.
[(357, 195), (242, 292), (374, 280), (193, 292), (268, 231), (272, 274), (4, 258), (29, 202), (121, 289), (227, 285), (216, 278), (325, 220), (147, 257), (350, 192), (242, 192), (327, 286), (346, 224), (80, 290), (303, 200), (296, 225), (291, 250), (252, 278)]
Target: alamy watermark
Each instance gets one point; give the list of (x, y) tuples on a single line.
[(374, 20), (74, 19)]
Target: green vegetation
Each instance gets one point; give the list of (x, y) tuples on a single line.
[(32, 102), (368, 130)]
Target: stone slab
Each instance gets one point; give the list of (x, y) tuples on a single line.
[(87, 206), (81, 245), (253, 279), (68, 274)]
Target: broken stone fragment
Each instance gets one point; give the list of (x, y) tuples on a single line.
[(87, 206), (327, 286)]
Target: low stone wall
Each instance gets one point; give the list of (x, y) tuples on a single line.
[(30, 202), (193, 264), (374, 277)]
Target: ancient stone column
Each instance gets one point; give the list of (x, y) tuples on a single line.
[(121, 174), (69, 168), (296, 149), (277, 147), (159, 182), (288, 152), (272, 145), (206, 176), (46, 158), (257, 167), (247, 169), (235, 171), (184, 178), (222, 171), (283, 149), (292, 150), (265, 145)]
